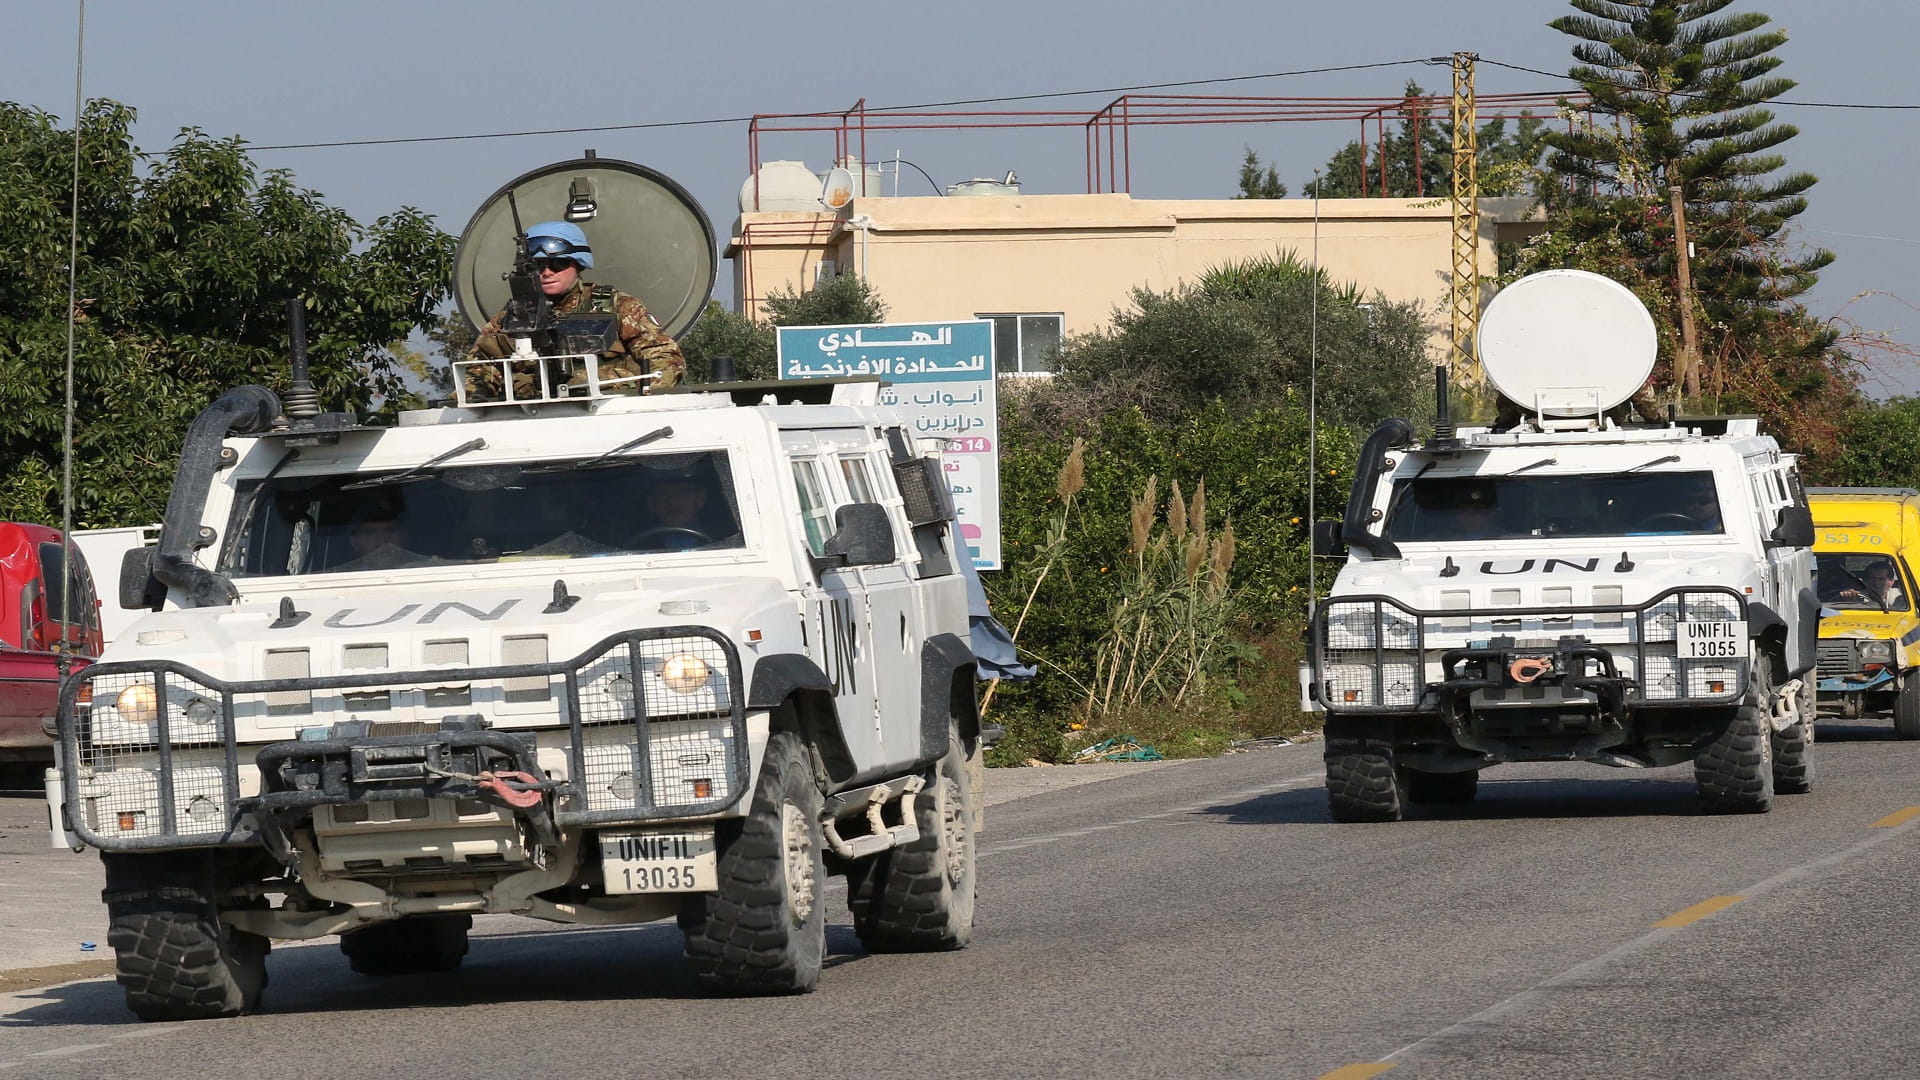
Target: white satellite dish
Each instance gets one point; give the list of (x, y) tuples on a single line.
[(1567, 343), (836, 191)]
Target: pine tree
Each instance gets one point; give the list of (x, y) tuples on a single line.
[(1678, 88)]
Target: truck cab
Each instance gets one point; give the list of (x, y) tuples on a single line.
[(1864, 541)]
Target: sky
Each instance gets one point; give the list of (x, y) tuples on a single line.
[(348, 70)]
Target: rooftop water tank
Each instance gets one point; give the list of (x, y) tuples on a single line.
[(986, 186), (784, 185)]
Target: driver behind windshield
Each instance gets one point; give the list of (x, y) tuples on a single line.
[(674, 505), (1877, 584)]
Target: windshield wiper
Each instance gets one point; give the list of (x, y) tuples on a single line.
[(417, 472), (1401, 495), (1637, 468), (603, 459), (1535, 465)]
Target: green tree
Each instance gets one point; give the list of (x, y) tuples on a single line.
[(1678, 90), (186, 262), (1243, 334), (1419, 156), (1259, 183), (720, 332), (838, 301), (841, 300)]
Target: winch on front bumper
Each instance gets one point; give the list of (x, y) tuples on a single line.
[(642, 726), (1373, 655)]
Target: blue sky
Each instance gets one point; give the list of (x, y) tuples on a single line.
[(349, 69)]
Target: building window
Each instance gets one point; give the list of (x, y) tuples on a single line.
[(1025, 344)]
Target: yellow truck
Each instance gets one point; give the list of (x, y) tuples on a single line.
[(1866, 542)]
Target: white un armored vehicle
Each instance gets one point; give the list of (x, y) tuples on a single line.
[(588, 658), (1570, 589)]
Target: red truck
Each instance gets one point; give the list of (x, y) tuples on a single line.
[(38, 622)]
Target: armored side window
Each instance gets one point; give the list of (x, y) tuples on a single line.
[(815, 511)]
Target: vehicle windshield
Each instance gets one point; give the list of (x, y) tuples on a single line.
[(296, 525), (1513, 507), (1860, 582)]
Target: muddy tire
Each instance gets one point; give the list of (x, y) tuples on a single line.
[(1906, 709), (411, 946), (1734, 772), (919, 897), (172, 955), (765, 930), (1362, 783), (1453, 787), (1793, 748)]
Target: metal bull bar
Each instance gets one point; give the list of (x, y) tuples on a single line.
[(184, 771), (1384, 669)]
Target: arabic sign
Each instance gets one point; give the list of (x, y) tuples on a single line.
[(940, 376)]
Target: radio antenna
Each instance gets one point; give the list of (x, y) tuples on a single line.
[(1313, 400), (73, 292)]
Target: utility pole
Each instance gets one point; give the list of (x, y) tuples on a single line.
[(1687, 371), (1463, 299)]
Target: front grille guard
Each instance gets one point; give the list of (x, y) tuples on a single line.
[(1403, 652), (192, 762)]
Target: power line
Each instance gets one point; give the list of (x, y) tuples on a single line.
[(1685, 94), (660, 124)]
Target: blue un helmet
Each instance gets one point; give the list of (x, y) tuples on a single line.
[(559, 240)]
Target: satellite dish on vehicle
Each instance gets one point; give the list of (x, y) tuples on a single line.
[(836, 191), (649, 238), (1567, 343)]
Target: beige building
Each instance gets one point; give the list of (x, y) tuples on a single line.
[(1046, 265)]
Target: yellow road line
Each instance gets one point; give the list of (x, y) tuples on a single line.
[(1356, 1072), (1898, 817), (1701, 910)]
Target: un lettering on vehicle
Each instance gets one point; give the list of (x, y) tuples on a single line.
[(654, 861), (1714, 639)]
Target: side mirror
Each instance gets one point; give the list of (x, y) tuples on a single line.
[(1795, 527), (862, 536), (1326, 540), (139, 589)]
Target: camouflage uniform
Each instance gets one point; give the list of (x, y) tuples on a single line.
[(641, 341)]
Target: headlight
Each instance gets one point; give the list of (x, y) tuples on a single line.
[(1876, 652), (138, 704), (684, 673)]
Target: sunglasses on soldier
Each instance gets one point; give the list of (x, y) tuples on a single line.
[(556, 265)]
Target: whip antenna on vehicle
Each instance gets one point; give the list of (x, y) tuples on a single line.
[(302, 401), (1313, 396), (62, 660)]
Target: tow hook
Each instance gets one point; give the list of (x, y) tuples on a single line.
[(1528, 668), (519, 790)]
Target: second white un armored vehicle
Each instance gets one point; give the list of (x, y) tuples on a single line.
[(588, 658), (1570, 589)]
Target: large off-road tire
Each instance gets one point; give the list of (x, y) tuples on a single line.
[(1906, 709), (1450, 787), (919, 897), (765, 930), (172, 955), (1734, 772), (410, 946), (1362, 782), (1793, 747)]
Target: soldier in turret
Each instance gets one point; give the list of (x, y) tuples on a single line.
[(560, 252)]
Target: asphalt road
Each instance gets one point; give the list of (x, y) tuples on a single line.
[(1201, 919)]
